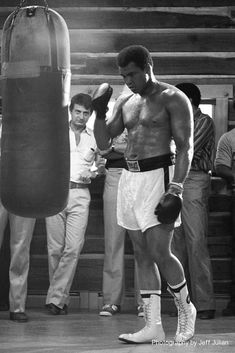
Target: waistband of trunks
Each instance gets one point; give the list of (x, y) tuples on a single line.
[(115, 163), (144, 165)]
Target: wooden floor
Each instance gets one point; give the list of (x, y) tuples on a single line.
[(85, 331)]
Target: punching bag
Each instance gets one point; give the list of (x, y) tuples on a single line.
[(35, 153)]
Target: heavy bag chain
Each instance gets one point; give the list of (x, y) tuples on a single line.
[(23, 3)]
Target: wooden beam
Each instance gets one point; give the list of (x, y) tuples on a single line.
[(172, 79), (231, 111), (126, 3), (207, 91), (216, 91), (220, 118), (217, 11), (156, 55), (156, 40), (86, 17), (165, 64), (82, 83)]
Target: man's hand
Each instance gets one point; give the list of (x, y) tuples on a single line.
[(100, 100), (85, 176), (169, 207), (101, 170)]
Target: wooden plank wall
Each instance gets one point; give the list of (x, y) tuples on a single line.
[(189, 41)]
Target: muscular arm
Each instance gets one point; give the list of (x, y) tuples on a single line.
[(106, 130), (118, 147), (181, 120)]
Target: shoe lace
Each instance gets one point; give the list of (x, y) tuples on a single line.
[(147, 314), (110, 306), (185, 324), (182, 317)]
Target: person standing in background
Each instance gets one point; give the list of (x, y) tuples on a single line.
[(4, 257), (225, 168), (21, 231), (190, 239), (225, 157), (66, 230), (114, 235)]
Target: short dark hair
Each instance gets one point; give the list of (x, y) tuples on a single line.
[(134, 53), (191, 91), (81, 99)]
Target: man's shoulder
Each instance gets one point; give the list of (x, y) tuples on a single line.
[(228, 137), (202, 116), (231, 133), (123, 98), (121, 101), (171, 95), (166, 88)]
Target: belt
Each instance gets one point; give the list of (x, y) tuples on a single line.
[(73, 185), (200, 171), (144, 165), (115, 163)]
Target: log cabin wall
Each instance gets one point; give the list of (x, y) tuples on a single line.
[(189, 41)]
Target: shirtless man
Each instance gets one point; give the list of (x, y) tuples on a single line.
[(158, 118)]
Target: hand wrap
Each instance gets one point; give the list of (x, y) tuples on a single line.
[(100, 99)]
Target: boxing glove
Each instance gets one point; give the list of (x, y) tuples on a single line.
[(100, 99), (170, 205)]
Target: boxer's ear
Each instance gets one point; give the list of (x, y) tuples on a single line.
[(148, 68)]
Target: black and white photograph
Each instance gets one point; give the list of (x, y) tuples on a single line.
[(117, 176)]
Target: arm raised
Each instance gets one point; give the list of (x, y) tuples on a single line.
[(106, 129)]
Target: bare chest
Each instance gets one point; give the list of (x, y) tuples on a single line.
[(144, 113)]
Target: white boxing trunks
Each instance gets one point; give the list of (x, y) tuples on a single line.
[(138, 195)]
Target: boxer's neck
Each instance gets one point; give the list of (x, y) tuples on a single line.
[(150, 87)]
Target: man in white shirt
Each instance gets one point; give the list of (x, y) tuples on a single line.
[(225, 168), (66, 230)]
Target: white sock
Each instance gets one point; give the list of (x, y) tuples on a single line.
[(146, 293), (178, 287)]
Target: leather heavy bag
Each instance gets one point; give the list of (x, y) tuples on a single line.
[(35, 156)]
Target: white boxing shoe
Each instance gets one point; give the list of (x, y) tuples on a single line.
[(153, 330), (186, 315), (186, 324), (146, 335)]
